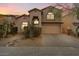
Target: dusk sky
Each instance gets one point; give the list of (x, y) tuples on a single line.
[(21, 8)]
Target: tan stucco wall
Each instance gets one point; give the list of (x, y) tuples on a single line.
[(68, 22)]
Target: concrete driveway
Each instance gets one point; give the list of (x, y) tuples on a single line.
[(46, 40), (46, 45), (60, 40)]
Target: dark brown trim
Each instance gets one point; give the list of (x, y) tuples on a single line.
[(7, 15), (52, 22), (76, 23), (24, 15)]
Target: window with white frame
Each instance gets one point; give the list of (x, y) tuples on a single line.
[(24, 24), (50, 16)]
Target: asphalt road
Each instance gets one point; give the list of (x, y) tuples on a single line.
[(39, 51)]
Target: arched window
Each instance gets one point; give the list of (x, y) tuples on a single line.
[(50, 16)]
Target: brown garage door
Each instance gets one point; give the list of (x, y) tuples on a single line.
[(51, 29)]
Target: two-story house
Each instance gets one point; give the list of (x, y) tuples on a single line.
[(49, 19)]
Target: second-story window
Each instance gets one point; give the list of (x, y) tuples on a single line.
[(50, 16)]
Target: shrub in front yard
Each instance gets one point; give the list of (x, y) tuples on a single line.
[(26, 32), (32, 31), (14, 30), (37, 31)]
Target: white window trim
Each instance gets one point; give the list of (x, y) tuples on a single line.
[(50, 16)]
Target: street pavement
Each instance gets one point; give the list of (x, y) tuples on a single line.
[(45, 45), (39, 51)]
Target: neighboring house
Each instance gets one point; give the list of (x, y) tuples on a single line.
[(68, 22), (76, 22), (6, 21), (8, 18), (1, 19)]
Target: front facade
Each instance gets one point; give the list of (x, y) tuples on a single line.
[(48, 19)]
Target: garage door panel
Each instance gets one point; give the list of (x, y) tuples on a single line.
[(51, 28)]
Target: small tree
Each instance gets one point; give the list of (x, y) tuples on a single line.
[(28, 31), (6, 28)]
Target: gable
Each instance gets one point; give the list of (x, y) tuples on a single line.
[(22, 16), (35, 9), (51, 8), (56, 12)]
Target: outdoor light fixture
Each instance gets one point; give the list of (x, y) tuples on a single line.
[(50, 15)]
